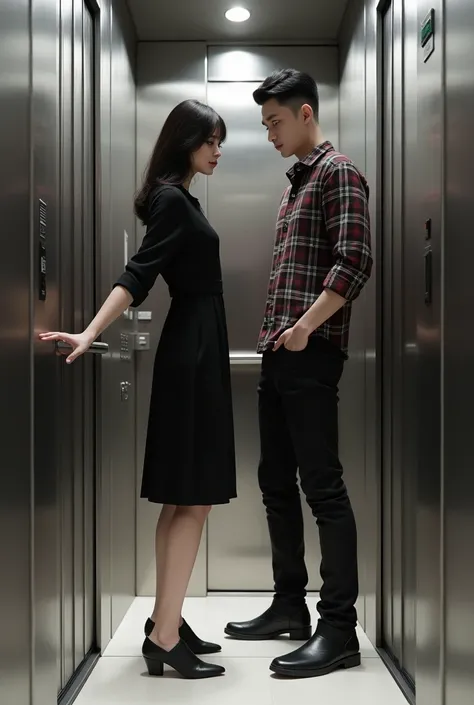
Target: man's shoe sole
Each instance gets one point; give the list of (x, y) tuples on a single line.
[(347, 662), (295, 635)]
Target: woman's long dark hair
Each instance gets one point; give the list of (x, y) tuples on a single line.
[(186, 129)]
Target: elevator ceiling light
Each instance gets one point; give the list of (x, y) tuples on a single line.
[(237, 14)]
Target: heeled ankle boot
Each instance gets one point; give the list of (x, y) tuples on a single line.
[(197, 645), (181, 658)]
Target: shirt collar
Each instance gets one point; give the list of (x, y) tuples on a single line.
[(311, 159)]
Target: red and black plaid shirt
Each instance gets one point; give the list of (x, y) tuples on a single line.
[(322, 242)]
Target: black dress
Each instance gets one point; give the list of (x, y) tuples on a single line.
[(189, 457)]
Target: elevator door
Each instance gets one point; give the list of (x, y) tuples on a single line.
[(399, 383), (77, 479)]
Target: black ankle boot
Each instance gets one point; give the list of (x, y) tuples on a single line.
[(327, 651), (181, 658), (197, 645), (271, 624)]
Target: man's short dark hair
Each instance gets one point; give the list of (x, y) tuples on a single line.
[(289, 87)]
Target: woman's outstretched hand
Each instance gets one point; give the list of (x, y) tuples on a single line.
[(80, 343)]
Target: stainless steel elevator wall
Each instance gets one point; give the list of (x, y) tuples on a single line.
[(359, 108), (458, 355), (56, 60), (115, 149), (405, 395), (15, 355), (423, 612), (355, 387)]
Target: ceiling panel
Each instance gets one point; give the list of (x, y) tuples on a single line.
[(270, 20)]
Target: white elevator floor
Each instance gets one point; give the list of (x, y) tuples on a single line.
[(120, 677)]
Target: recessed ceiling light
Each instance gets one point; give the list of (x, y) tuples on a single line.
[(237, 14)]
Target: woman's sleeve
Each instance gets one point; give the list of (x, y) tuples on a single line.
[(164, 239)]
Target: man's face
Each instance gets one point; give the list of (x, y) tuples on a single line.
[(286, 129)]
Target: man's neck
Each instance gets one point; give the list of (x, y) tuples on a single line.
[(315, 139)]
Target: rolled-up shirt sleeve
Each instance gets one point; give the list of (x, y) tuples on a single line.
[(164, 238), (347, 222)]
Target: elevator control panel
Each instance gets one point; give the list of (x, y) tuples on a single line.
[(427, 35), (125, 350), (43, 222), (142, 341), (144, 315)]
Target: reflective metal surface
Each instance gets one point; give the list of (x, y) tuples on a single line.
[(46, 500), (429, 610), (64, 471), (458, 356), (50, 195), (245, 359), (115, 150), (121, 408), (360, 415), (411, 265), (15, 355), (401, 258), (95, 348), (354, 392)]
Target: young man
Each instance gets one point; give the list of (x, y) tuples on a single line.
[(321, 261)]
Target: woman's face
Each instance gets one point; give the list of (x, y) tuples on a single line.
[(205, 159)]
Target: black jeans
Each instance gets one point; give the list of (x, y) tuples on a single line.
[(298, 400)]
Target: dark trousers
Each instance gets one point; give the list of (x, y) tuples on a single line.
[(298, 400)]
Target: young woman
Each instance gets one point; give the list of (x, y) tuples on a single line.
[(189, 458)]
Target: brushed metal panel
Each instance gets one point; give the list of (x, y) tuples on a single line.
[(89, 305), (412, 290), (371, 584), (255, 63), (15, 356), (397, 288), (47, 505), (387, 238), (122, 174), (167, 73), (458, 355), (429, 620), (114, 193), (66, 380), (242, 202), (78, 370), (352, 417), (105, 277), (239, 555), (402, 253)]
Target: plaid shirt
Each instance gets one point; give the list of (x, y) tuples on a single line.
[(322, 242)]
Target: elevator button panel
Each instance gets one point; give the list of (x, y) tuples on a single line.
[(125, 351)]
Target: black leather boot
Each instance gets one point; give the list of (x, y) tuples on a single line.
[(327, 651), (294, 621), (197, 645), (181, 658)]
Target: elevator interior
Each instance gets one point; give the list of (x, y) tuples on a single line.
[(84, 89)]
